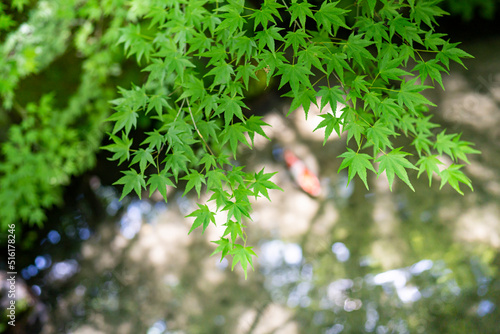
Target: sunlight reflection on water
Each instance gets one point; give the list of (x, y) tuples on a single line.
[(278, 260), (341, 251), (132, 219), (64, 270)]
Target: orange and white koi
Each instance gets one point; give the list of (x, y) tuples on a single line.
[(302, 175)]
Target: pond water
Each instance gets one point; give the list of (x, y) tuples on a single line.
[(349, 261)]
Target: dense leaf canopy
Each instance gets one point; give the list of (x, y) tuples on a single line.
[(365, 64)]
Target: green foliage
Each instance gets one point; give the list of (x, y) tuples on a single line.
[(203, 55), (368, 62), (51, 139), (215, 52)]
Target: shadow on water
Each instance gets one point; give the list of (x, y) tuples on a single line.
[(350, 261)]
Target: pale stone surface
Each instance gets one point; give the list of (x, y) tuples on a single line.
[(480, 225)]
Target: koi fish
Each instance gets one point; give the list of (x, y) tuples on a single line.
[(302, 175)]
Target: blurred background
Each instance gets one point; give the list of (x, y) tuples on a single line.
[(347, 261)]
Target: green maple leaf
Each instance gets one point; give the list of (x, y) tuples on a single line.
[(422, 143), (405, 52), (222, 73), (376, 31), (120, 148), (269, 61), (224, 247), (243, 255), (210, 104), (356, 48), (311, 56), (424, 125), (234, 133), (445, 143), (143, 156), (371, 4), (268, 36), (389, 68), (301, 11), (209, 161), (389, 109), (426, 11), (200, 42), (332, 96), (432, 40), (360, 84), (124, 119), (236, 209), (462, 148), (254, 125), (329, 14), (176, 162), (208, 129), (296, 75), (406, 123), (337, 62), (244, 46), (272, 7), (304, 97), (195, 179), (157, 102), (236, 177), (131, 181), (262, 17), (215, 177), (429, 164), (231, 106), (246, 72), (357, 163), (430, 68), (193, 88), (372, 100), (406, 29), (409, 95), (134, 42), (378, 135), (157, 70), (296, 39), (221, 197), (395, 162), (155, 140), (232, 21), (354, 126), (174, 61), (174, 131), (160, 182), (454, 176), (329, 122), (216, 54), (262, 184), (203, 217), (390, 10), (234, 229), (450, 51)]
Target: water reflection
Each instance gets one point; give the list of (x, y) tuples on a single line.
[(158, 327), (351, 262), (421, 266), (275, 253), (63, 270), (54, 237), (341, 251), (340, 287), (485, 307)]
